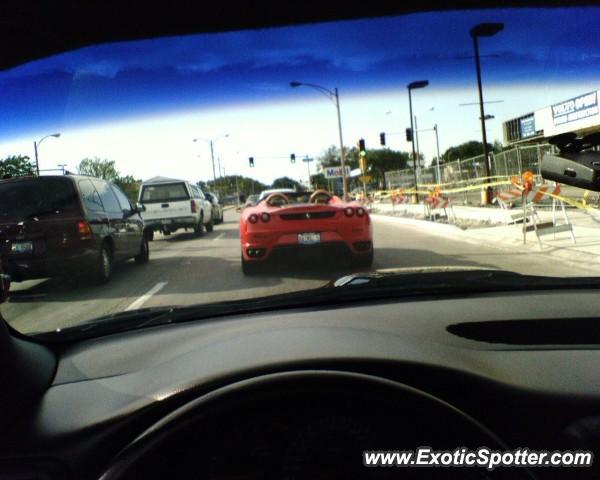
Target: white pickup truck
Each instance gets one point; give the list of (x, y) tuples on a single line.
[(168, 204)]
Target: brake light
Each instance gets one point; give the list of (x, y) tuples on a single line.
[(253, 218), (193, 205), (360, 212), (349, 211), (265, 217), (83, 229)]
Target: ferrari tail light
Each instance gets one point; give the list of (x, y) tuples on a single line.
[(349, 211), (265, 217), (83, 230), (360, 212), (253, 218), (193, 205)]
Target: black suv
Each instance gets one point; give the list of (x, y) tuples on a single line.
[(55, 225)]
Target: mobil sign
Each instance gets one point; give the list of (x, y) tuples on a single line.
[(335, 172)]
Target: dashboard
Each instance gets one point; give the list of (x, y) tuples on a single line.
[(519, 367)]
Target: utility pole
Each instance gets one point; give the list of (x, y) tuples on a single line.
[(212, 156), (308, 160)]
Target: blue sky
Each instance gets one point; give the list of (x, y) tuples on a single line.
[(542, 56)]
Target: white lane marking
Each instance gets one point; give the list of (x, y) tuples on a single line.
[(146, 296), (219, 236)]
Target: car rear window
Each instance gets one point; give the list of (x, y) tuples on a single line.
[(164, 193), (37, 197)]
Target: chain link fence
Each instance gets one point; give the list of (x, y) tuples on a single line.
[(469, 171), (507, 163)]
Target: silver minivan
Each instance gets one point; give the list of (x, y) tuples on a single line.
[(169, 204)]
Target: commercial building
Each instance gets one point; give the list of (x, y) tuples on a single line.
[(580, 115)]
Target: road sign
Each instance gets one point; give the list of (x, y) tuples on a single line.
[(355, 173), (336, 172)]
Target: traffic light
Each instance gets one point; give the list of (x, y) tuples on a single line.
[(361, 145), (251, 161), (362, 163), (409, 136), (293, 158), (382, 138)]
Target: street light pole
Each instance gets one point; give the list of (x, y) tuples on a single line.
[(335, 97), (35, 149), (483, 30), (37, 163), (412, 142), (211, 142), (481, 108), (410, 87)]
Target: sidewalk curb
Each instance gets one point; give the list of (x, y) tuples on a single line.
[(569, 256)]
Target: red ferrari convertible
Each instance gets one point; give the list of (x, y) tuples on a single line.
[(305, 225)]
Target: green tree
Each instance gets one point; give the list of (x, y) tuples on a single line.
[(286, 182), (99, 168), (231, 184), (319, 181), (465, 150), (130, 186), (16, 166), (331, 157)]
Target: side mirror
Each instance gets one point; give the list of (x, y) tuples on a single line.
[(140, 207)]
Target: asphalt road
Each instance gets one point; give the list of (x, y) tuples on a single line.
[(185, 270)]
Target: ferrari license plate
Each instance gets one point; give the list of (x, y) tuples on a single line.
[(309, 238), (21, 247)]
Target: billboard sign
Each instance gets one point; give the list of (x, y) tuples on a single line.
[(335, 172), (527, 126), (575, 109)]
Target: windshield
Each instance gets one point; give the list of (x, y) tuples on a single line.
[(289, 198), (421, 141), (164, 193)]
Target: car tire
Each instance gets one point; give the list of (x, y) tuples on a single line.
[(144, 254), (363, 260), (250, 268), (209, 226), (149, 234), (199, 227), (104, 264)]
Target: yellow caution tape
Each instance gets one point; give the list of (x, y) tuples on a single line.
[(480, 179)]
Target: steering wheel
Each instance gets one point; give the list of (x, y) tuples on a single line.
[(304, 425), (314, 198), (277, 195)]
